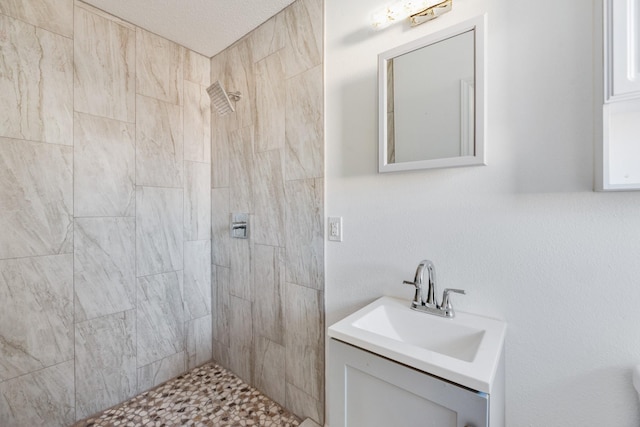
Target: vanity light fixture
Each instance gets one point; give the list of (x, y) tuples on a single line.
[(418, 12), (431, 12)]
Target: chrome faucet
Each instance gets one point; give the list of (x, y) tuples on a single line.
[(427, 301), (420, 298)]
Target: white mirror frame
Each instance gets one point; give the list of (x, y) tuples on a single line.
[(621, 95), (478, 25)]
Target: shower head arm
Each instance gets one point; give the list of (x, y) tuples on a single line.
[(234, 96)]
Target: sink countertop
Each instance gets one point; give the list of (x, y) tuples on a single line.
[(465, 350)]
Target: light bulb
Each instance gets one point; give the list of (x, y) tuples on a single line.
[(397, 11)]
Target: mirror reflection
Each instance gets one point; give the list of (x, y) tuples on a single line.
[(426, 88), (430, 111)]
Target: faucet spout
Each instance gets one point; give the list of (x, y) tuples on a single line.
[(423, 297), (429, 297)]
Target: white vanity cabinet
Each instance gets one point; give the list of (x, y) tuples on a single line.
[(365, 389), (389, 365), (622, 49)]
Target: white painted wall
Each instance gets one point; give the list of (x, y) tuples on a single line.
[(525, 235)]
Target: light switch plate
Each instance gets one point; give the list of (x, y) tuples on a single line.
[(335, 228)]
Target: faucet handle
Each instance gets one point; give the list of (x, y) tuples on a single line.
[(446, 300), (416, 297)]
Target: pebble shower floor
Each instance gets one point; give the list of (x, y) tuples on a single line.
[(206, 396)]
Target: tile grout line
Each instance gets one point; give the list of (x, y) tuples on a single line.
[(135, 197), (73, 201), (185, 326)]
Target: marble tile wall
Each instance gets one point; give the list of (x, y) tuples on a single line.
[(105, 219), (104, 266), (109, 343), (159, 67), (104, 88), (104, 167), (159, 143), (160, 317), (159, 230), (268, 160), (36, 215), (36, 82), (36, 320), (39, 398)]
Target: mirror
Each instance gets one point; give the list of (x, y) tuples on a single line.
[(432, 101)]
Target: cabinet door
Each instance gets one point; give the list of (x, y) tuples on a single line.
[(369, 390), (622, 49)]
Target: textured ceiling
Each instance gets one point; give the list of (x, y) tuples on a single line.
[(206, 26)]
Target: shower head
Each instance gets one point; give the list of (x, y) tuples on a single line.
[(221, 99)]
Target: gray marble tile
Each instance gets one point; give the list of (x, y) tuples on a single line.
[(220, 149), (241, 280), (269, 37), (42, 398), (159, 143), (240, 338), (220, 128), (52, 15), (270, 103), (159, 230), (220, 304), (220, 354), (241, 170), (36, 313), (220, 223), (159, 67), (303, 405), (269, 282), (305, 126), (197, 68), (217, 66), (103, 167), (197, 279), (104, 266), (160, 317), (104, 64), (105, 362), (197, 123), (269, 369), (36, 213), (305, 28), (36, 82), (199, 341), (304, 339), (158, 372), (197, 201), (269, 199), (305, 232), (238, 77)]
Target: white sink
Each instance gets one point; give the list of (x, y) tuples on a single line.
[(444, 336), (465, 350)]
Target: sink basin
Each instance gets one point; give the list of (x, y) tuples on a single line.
[(455, 340), (465, 350)]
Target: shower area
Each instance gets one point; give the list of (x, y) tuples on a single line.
[(118, 182)]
